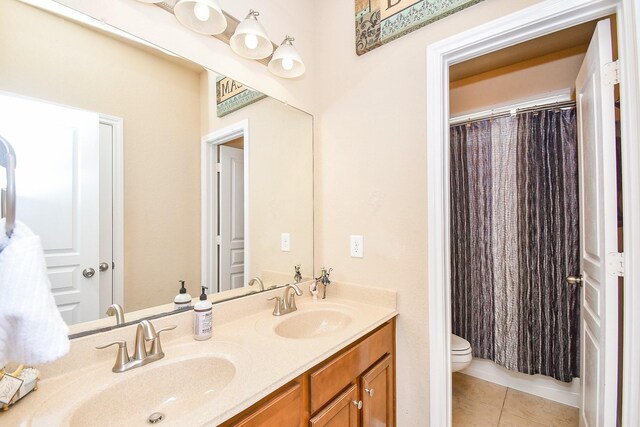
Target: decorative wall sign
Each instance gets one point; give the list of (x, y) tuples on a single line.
[(381, 21), (232, 96)]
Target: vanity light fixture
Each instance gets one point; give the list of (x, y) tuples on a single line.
[(201, 16), (250, 40), (286, 61)]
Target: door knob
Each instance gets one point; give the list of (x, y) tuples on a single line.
[(369, 391), (104, 266), (574, 280), (358, 403), (88, 272)]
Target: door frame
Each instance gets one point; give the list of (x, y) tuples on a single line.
[(209, 197), (117, 124), (543, 18)]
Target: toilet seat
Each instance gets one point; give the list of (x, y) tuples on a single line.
[(460, 353)]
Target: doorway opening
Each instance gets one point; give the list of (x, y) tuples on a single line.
[(514, 156), (531, 23), (225, 208)]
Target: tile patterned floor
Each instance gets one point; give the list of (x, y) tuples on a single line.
[(484, 404)]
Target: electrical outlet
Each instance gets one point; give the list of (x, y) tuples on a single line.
[(285, 242), (357, 247)]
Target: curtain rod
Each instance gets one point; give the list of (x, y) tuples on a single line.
[(506, 112)]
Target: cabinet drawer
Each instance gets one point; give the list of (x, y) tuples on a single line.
[(283, 410), (329, 379)]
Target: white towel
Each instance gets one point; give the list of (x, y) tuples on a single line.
[(31, 328)]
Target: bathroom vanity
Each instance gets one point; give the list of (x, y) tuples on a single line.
[(355, 387), (329, 362)]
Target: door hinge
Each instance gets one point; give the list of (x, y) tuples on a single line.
[(611, 73), (218, 240), (615, 264), (218, 167)]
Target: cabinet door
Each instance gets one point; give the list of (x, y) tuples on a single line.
[(378, 395), (343, 411), (284, 410)]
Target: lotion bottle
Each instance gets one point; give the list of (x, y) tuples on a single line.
[(203, 318), (183, 299)]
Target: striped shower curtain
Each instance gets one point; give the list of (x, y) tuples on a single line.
[(515, 239)]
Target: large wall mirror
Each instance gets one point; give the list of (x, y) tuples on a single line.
[(135, 180)]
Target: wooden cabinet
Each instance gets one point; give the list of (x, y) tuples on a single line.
[(353, 388), (341, 412), (284, 408), (378, 393)]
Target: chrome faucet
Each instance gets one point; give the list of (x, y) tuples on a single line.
[(287, 303), (258, 281), (324, 280), (145, 332), (117, 311)]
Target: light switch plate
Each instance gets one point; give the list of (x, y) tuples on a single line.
[(285, 242), (357, 247)]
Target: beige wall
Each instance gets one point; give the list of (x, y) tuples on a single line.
[(372, 172), (280, 148), (526, 79), (48, 58), (279, 17)]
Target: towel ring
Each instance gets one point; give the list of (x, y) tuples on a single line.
[(8, 161)]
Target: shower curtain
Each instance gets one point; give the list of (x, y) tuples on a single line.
[(515, 239)]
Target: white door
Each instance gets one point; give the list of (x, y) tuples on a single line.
[(231, 205), (598, 234), (106, 218), (57, 194)]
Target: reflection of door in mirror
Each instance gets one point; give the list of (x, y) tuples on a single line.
[(231, 215), (57, 182)]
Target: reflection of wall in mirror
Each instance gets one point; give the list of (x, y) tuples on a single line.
[(280, 183), (47, 57)]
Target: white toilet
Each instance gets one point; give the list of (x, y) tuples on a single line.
[(460, 353)]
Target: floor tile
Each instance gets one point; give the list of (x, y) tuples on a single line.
[(541, 410), (469, 413), (477, 390), (510, 420)]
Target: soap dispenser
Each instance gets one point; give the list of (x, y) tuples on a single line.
[(183, 299), (203, 318)]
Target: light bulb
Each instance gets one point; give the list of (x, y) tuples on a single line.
[(287, 63), (201, 11), (251, 41)]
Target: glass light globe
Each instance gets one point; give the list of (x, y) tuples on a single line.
[(287, 63), (201, 11), (251, 41)]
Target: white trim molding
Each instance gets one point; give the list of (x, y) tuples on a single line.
[(209, 198), (535, 21), (117, 125)]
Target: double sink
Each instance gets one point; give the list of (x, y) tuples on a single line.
[(192, 375)]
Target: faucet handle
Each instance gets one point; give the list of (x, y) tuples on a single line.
[(121, 344), (122, 358), (166, 328), (156, 347), (277, 310)]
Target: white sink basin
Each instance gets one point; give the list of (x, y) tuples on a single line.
[(313, 324), (308, 322), (191, 379), (173, 389)]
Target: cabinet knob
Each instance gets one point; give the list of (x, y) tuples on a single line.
[(369, 391), (358, 403)]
